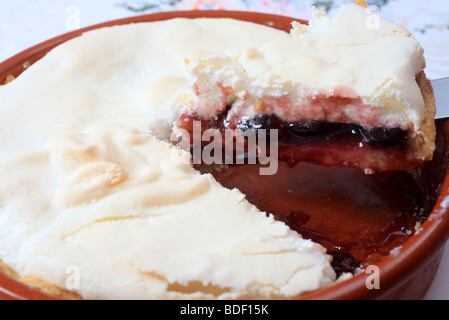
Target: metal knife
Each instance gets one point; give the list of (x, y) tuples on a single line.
[(441, 92)]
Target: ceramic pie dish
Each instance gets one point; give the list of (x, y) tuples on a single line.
[(409, 268)]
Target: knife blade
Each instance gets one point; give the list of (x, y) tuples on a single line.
[(441, 92)]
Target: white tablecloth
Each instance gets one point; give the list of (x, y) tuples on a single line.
[(24, 23)]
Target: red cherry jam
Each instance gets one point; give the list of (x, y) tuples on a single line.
[(322, 143)]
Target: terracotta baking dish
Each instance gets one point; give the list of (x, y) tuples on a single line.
[(409, 269)]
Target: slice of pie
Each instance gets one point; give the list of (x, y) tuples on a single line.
[(344, 91)]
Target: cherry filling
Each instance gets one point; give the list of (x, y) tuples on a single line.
[(374, 150), (299, 133)]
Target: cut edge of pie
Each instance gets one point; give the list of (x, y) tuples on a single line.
[(339, 144), (333, 101)]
